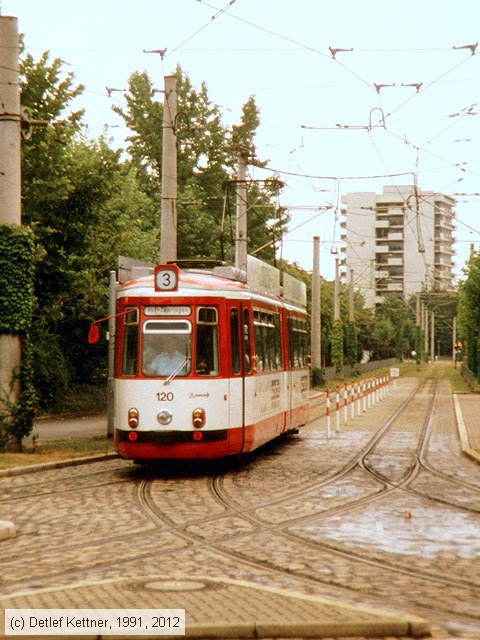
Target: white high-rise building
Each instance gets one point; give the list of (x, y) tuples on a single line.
[(400, 241)]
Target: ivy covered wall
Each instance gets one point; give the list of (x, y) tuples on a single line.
[(17, 251)]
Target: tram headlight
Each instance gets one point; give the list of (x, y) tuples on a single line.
[(164, 417), (198, 418), (133, 417)]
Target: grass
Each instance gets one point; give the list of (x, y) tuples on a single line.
[(457, 381), (444, 369), (57, 450), (406, 368)]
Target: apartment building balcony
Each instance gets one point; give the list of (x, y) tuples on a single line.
[(442, 236), (445, 249), (444, 223), (440, 262), (395, 286)]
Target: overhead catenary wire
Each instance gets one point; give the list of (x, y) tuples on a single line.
[(307, 175)]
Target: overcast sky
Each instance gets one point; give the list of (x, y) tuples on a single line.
[(328, 127)]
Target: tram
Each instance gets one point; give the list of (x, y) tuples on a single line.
[(208, 364)]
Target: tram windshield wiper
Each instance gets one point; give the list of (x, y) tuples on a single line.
[(177, 370)]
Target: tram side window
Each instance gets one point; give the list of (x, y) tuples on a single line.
[(234, 341), (298, 339), (247, 341), (207, 359), (259, 341), (278, 341), (130, 344), (267, 340)]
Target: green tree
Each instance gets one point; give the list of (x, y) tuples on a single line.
[(351, 343), (469, 313), (207, 158), (337, 348), (384, 337), (85, 205), (400, 315)]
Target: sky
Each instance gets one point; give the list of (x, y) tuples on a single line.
[(353, 96)]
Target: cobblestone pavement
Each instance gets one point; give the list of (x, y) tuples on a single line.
[(295, 516)]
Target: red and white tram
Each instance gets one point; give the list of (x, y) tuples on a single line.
[(207, 366)]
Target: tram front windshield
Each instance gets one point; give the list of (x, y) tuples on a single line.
[(166, 348)]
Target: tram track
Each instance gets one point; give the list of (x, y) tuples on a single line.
[(312, 574), (33, 487), (289, 544), (271, 536)]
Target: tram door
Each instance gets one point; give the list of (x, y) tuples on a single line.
[(240, 364)]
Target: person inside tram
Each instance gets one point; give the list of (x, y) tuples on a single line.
[(169, 360)]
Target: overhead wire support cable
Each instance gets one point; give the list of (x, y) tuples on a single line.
[(219, 12)]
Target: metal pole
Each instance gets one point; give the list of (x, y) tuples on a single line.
[(111, 352), (454, 342), (168, 239), (351, 308), (10, 180), (426, 331), (432, 336), (336, 302), (241, 223), (316, 308)]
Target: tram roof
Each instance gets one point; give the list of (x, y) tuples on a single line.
[(192, 281)]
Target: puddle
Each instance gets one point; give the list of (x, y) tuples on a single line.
[(413, 530)]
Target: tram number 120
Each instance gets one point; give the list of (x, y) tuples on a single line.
[(165, 396)]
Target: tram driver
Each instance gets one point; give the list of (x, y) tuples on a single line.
[(169, 360)]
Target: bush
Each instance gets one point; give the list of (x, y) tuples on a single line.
[(318, 377)]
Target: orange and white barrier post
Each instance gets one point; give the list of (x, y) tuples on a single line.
[(327, 403), (337, 409), (352, 399)]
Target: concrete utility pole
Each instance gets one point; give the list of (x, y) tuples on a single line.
[(425, 324), (10, 176), (417, 309), (454, 341), (351, 306), (336, 301), (316, 307), (432, 336), (241, 223), (168, 239), (112, 288)]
